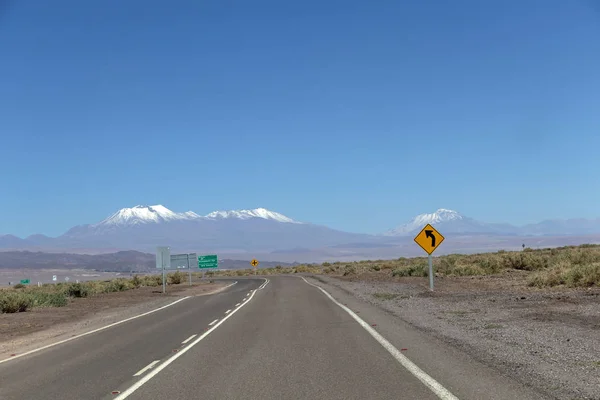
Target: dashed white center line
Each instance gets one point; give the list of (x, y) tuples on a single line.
[(227, 312), (248, 294), (212, 323), (188, 339), (147, 367), (237, 304)]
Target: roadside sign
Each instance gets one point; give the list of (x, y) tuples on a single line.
[(25, 281), (254, 262), (163, 257), (429, 239), (179, 261), (54, 278), (208, 261)]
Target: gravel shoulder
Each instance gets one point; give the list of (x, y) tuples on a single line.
[(545, 339), (21, 332)]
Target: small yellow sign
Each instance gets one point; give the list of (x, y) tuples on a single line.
[(254, 262), (429, 239)]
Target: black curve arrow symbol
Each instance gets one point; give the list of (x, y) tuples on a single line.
[(429, 234)]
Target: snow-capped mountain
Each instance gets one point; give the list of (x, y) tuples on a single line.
[(256, 213), (143, 214), (451, 222), (145, 227)]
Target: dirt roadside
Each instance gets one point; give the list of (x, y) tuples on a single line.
[(22, 332), (547, 339)]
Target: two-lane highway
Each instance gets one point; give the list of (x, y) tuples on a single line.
[(277, 338)]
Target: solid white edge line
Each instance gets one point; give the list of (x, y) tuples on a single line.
[(427, 380), (188, 339), (227, 312), (92, 331), (99, 329), (212, 323), (146, 368), (174, 357)]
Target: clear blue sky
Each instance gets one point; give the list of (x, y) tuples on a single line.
[(353, 114)]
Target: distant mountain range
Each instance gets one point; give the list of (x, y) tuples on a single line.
[(453, 222), (244, 234)]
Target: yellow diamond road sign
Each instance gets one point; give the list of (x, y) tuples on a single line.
[(429, 239), (254, 262)]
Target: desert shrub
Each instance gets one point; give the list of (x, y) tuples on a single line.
[(175, 278), (412, 270), (467, 270), (50, 299), (526, 261), (13, 302), (326, 264), (19, 286), (302, 268), (118, 285), (76, 290), (583, 275), (136, 281), (349, 270), (376, 267), (95, 287), (565, 273)]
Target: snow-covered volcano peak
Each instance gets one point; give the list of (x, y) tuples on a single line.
[(418, 222), (247, 214), (142, 214)]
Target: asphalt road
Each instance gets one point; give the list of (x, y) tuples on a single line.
[(284, 339)]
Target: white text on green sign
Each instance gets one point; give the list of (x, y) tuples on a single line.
[(209, 261)]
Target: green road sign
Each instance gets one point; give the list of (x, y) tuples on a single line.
[(25, 281), (209, 261)]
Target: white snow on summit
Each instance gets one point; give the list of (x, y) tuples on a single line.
[(418, 222), (142, 214), (246, 214)]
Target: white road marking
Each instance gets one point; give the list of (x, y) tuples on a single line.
[(264, 284), (427, 380), (212, 323), (92, 331), (146, 368), (237, 304), (248, 294), (227, 312), (188, 339), (174, 357)]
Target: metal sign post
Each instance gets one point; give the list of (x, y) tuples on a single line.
[(430, 272), (189, 270), (163, 261)]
